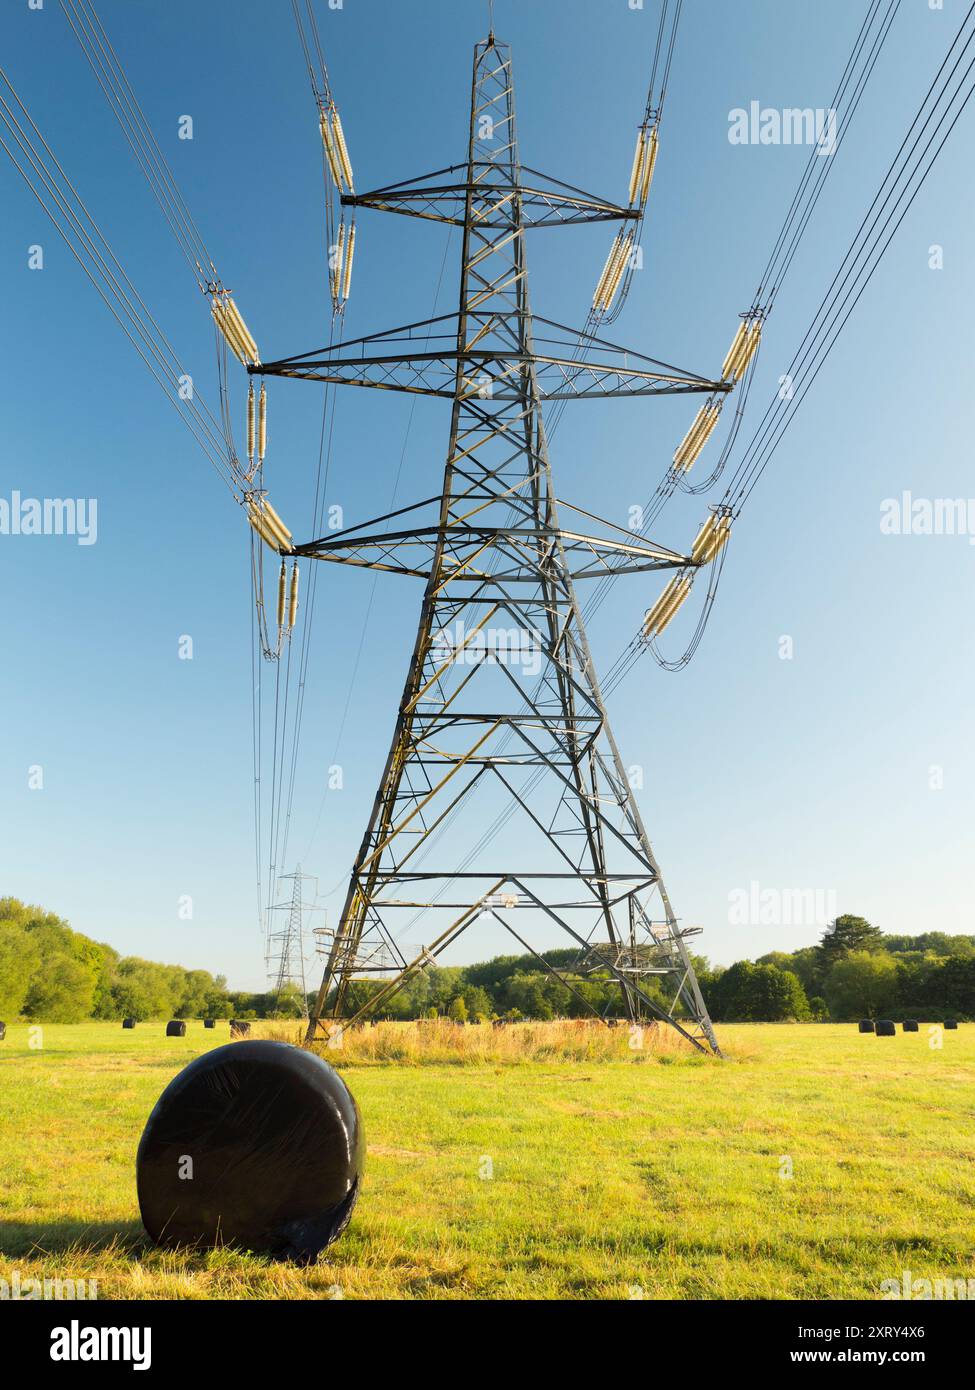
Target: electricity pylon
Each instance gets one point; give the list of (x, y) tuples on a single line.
[(285, 956), (502, 730)]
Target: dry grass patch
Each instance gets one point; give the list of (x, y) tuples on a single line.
[(439, 1041)]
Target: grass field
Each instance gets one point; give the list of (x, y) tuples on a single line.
[(655, 1177)]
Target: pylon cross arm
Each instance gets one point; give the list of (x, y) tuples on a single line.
[(425, 358), (413, 552), (495, 374), (542, 200)]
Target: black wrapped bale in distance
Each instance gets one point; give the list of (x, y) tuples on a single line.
[(276, 1147), (175, 1028), (239, 1029), (885, 1028), (208, 1022), (910, 1025), (128, 1022), (865, 1025), (3, 1031), (951, 1023)]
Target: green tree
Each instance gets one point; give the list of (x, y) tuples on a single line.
[(862, 984), (288, 1002), (62, 990), (19, 959), (217, 1003), (478, 1003), (443, 982), (936, 943), (106, 968), (143, 989), (807, 963), (749, 993), (194, 991), (846, 934), (457, 1009)]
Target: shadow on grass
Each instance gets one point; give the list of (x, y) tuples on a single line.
[(28, 1238)]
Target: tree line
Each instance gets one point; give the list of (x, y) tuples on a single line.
[(856, 971), (50, 973)]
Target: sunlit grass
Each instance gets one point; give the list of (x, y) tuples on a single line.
[(545, 1176), (434, 1041)]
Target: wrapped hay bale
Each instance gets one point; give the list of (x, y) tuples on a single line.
[(257, 1145)]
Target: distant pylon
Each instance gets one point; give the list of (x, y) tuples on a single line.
[(285, 955)]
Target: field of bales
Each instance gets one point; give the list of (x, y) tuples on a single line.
[(536, 1161)]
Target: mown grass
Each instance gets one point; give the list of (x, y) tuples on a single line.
[(552, 1178)]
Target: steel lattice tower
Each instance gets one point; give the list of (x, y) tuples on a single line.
[(285, 957), (501, 710)]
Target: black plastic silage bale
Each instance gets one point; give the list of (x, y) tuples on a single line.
[(128, 1022), (951, 1023), (866, 1025), (175, 1028), (209, 1022), (3, 1031), (910, 1025), (238, 1028), (256, 1145), (885, 1028)]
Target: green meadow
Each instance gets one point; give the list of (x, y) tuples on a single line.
[(812, 1163)]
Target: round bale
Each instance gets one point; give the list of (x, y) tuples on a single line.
[(951, 1023), (866, 1025), (175, 1028), (238, 1028), (885, 1028), (910, 1025), (128, 1022), (257, 1145), (208, 1022)]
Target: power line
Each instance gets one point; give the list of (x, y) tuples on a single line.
[(64, 206), (902, 182)]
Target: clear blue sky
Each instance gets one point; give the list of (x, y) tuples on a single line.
[(804, 774)]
